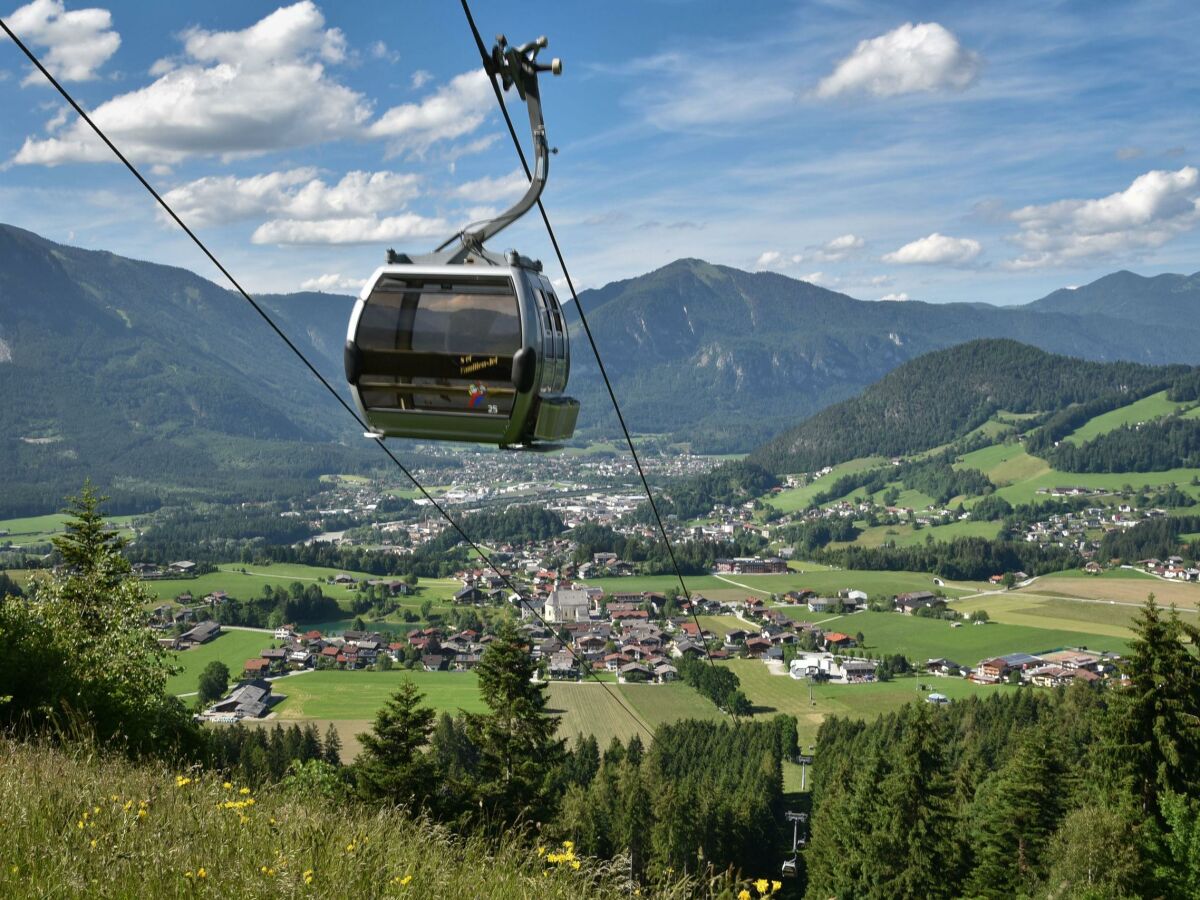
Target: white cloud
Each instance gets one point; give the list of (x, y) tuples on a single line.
[(264, 88), (333, 282), (1155, 207), (490, 190), (899, 297), (819, 278), (834, 250), (350, 230), (912, 58), (77, 42), (420, 78), (380, 50), (238, 93), (292, 194), (935, 249), (838, 248), (455, 109)]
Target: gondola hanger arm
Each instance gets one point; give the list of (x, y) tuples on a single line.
[(516, 67)]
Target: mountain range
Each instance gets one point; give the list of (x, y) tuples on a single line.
[(156, 381)]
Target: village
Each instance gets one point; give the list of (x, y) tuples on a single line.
[(575, 632)]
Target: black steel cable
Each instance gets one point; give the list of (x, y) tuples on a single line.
[(299, 353), (485, 56)]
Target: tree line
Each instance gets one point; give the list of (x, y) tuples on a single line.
[(965, 558)]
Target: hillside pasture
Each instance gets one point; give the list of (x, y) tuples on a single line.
[(1040, 611), (907, 536), (1155, 406), (794, 499)]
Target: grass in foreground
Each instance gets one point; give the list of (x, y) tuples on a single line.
[(75, 825)]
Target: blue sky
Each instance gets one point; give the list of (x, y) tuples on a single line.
[(926, 151)]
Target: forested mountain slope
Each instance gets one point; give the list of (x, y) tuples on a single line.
[(944, 395), (1160, 300), (144, 376), (727, 358)]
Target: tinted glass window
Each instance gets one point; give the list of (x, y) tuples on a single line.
[(479, 317), (439, 346)]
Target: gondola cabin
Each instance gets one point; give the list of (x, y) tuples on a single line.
[(462, 353)]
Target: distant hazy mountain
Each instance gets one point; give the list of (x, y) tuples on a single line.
[(729, 358), (941, 396), (1161, 300)]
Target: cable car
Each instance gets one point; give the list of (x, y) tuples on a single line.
[(463, 344)]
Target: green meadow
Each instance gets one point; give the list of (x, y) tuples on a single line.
[(232, 647), (920, 639)]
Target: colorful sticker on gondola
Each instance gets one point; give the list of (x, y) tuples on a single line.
[(476, 395)]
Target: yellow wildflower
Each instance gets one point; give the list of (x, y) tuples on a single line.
[(776, 885), (570, 845), (93, 843), (142, 813), (79, 824), (201, 872), (187, 874), (128, 805), (228, 785), (95, 809), (403, 882), (16, 870), (182, 781), (763, 886), (308, 876), (244, 791), (575, 864), (541, 851), (743, 894)]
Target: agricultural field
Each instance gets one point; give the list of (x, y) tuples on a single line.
[(821, 579), (1042, 611), (1154, 406), (40, 529), (359, 695), (232, 647), (662, 704), (601, 711), (774, 694), (920, 639), (1121, 590)]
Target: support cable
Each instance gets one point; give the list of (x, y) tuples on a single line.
[(300, 355), (485, 56)]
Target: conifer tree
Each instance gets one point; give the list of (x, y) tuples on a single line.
[(391, 766), (333, 746), (1161, 721), (518, 750)]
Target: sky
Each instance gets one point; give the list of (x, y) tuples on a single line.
[(889, 150)]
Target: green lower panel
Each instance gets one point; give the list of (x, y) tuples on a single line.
[(556, 418)]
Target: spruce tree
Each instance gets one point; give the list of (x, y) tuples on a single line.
[(391, 766), (1161, 721), (518, 751), (333, 746)]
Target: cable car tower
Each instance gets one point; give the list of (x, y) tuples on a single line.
[(463, 344)]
